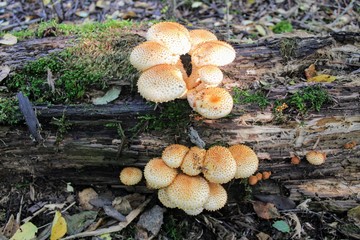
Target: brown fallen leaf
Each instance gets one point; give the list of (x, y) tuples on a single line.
[(4, 72), (350, 145), (85, 196), (8, 39), (265, 210), (310, 71), (263, 236), (280, 202), (11, 227)]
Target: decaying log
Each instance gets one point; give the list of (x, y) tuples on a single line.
[(91, 153)]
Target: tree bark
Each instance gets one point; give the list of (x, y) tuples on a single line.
[(91, 153)]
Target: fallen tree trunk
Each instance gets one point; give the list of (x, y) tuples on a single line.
[(90, 152)]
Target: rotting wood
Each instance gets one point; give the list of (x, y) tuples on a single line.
[(88, 153)]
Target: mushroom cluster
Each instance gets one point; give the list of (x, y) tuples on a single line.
[(163, 77), (190, 178)]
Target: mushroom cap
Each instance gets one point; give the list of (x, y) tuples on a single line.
[(266, 175), (172, 35), (210, 75), (130, 176), (158, 174), (217, 198), (246, 160), (315, 157), (188, 192), (149, 54), (252, 180), (213, 52), (164, 198), (193, 161), (194, 211), (213, 102), (161, 83), (219, 165), (174, 154), (200, 35)]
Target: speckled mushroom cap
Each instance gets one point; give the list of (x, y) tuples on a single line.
[(246, 160), (213, 52), (194, 211), (130, 176), (198, 36), (158, 174), (217, 198), (172, 35), (174, 154), (164, 198), (213, 103), (210, 75), (193, 161), (161, 83), (219, 165), (315, 157), (188, 192), (149, 54)]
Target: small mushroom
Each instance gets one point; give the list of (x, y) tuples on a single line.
[(315, 157), (219, 165), (161, 83), (246, 159), (172, 35), (266, 175), (174, 154), (252, 180), (158, 174), (259, 176), (130, 176), (210, 75), (217, 198), (295, 160)]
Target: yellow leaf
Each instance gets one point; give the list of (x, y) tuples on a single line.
[(105, 236), (46, 2), (59, 227), (8, 39), (26, 231), (322, 78)]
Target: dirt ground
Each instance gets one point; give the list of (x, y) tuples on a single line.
[(237, 21)]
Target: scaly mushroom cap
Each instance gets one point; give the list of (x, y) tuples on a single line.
[(217, 198), (199, 36), (130, 176), (315, 157), (164, 198), (210, 75), (158, 174), (213, 52), (246, 160), (213, 103), (172, 35), (188, 192), (219, 165), (193, 161), (149, 54), (174, 154), (161, 83), (194, 211)]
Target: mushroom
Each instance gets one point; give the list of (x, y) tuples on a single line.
[(194, 211), (246, 160), (295, 160), (315, 157), (266, 175), (188, 192), (164, 198), (213, 52), (213, 103), (210, 75), (174, 154), (161, 83), (259, 176), (199, 36), (158, 174), (149, 54), (219, 165), (191, 96), (172, 35), (217, 198), (130, 176), (252, 180), (193, 161)]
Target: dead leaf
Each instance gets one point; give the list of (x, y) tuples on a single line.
[(59, 226), (82, 14), (85, 196), (298, 228), (263, 236), (112, 212), (122, 205), (46, 2), (26, 231), (32, 192), (11, 227), (261, 30), (152, 220), (100, 201), (8, 39), (282, 203), (4, 72), (310, 71), (78, 222), (265, 210), (50, 80), (109, 96), (322, 78), (354, 214)]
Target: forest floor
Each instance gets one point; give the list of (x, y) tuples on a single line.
[(35, 200)]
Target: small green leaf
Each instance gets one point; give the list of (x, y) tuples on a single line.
[(111, 95), (282, 226), (26, 231)]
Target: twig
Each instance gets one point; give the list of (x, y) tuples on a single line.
[(18, 215), (343, 13), (130, 217), (9, 27)]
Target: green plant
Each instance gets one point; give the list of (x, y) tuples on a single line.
[(244, 97), (9, 111), (174, 229), (282, 27), (62, 125)]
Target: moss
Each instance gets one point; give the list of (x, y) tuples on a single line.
[(288, 47), (283, 27), (245, 97), (9, 111)]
